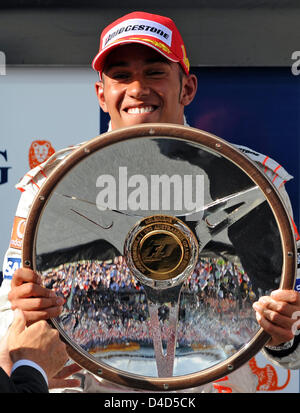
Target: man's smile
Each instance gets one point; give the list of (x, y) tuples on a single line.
[(136, 110)]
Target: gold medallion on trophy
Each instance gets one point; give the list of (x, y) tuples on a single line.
[(160, 250)]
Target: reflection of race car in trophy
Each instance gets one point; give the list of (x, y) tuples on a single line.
[(160, 298)]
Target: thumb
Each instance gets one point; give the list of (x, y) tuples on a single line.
[(19, 323)]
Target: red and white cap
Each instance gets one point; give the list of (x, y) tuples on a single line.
[(152, 30)]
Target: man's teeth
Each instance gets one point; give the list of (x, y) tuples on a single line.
[(146, 109)]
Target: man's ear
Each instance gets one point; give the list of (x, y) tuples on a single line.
[(99, 86), (189, 89)]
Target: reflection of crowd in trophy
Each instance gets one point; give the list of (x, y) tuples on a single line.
[(106, 305)]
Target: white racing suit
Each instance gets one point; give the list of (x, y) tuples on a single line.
[(242, 380)]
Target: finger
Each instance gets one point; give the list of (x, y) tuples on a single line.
[(278, 319), (278, 335), (272, 316), (19, 322), (63, 383), (289, 296), (23, 275), (33, 316), (40, 327), (281, 307), (30, 290), (36, 304), (257, 306), (5, 360)]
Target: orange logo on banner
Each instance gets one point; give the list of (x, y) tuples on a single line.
[(39, 152), (267, 377), (17, 233)]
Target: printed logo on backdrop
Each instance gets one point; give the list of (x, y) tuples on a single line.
[(17, 233), (39, 152), (11, 266), (3, 169), (297, 282)]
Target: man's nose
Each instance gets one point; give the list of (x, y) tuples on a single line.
[(138, 89)]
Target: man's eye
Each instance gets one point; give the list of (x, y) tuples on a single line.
[(156, 73), (120, 76)]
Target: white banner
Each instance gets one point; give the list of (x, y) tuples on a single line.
[(41, 110)]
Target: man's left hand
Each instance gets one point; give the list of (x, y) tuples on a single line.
[(277, 315)]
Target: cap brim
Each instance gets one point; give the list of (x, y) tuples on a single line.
[(99, 59)]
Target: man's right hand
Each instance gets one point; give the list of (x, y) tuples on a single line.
[(36, 301), (39, 343)]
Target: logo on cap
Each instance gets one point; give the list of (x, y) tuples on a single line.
[(160, 45), (138, 26), (185, 59), (156, 31)]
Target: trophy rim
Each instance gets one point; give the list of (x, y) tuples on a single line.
[(218, 146)]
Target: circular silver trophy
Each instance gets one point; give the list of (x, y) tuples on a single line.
[(160, 237)]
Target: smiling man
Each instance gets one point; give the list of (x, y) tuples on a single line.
[(144, 71), (144, 77), (138, 86)]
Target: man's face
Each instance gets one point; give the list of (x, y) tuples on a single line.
[(141, 86)]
